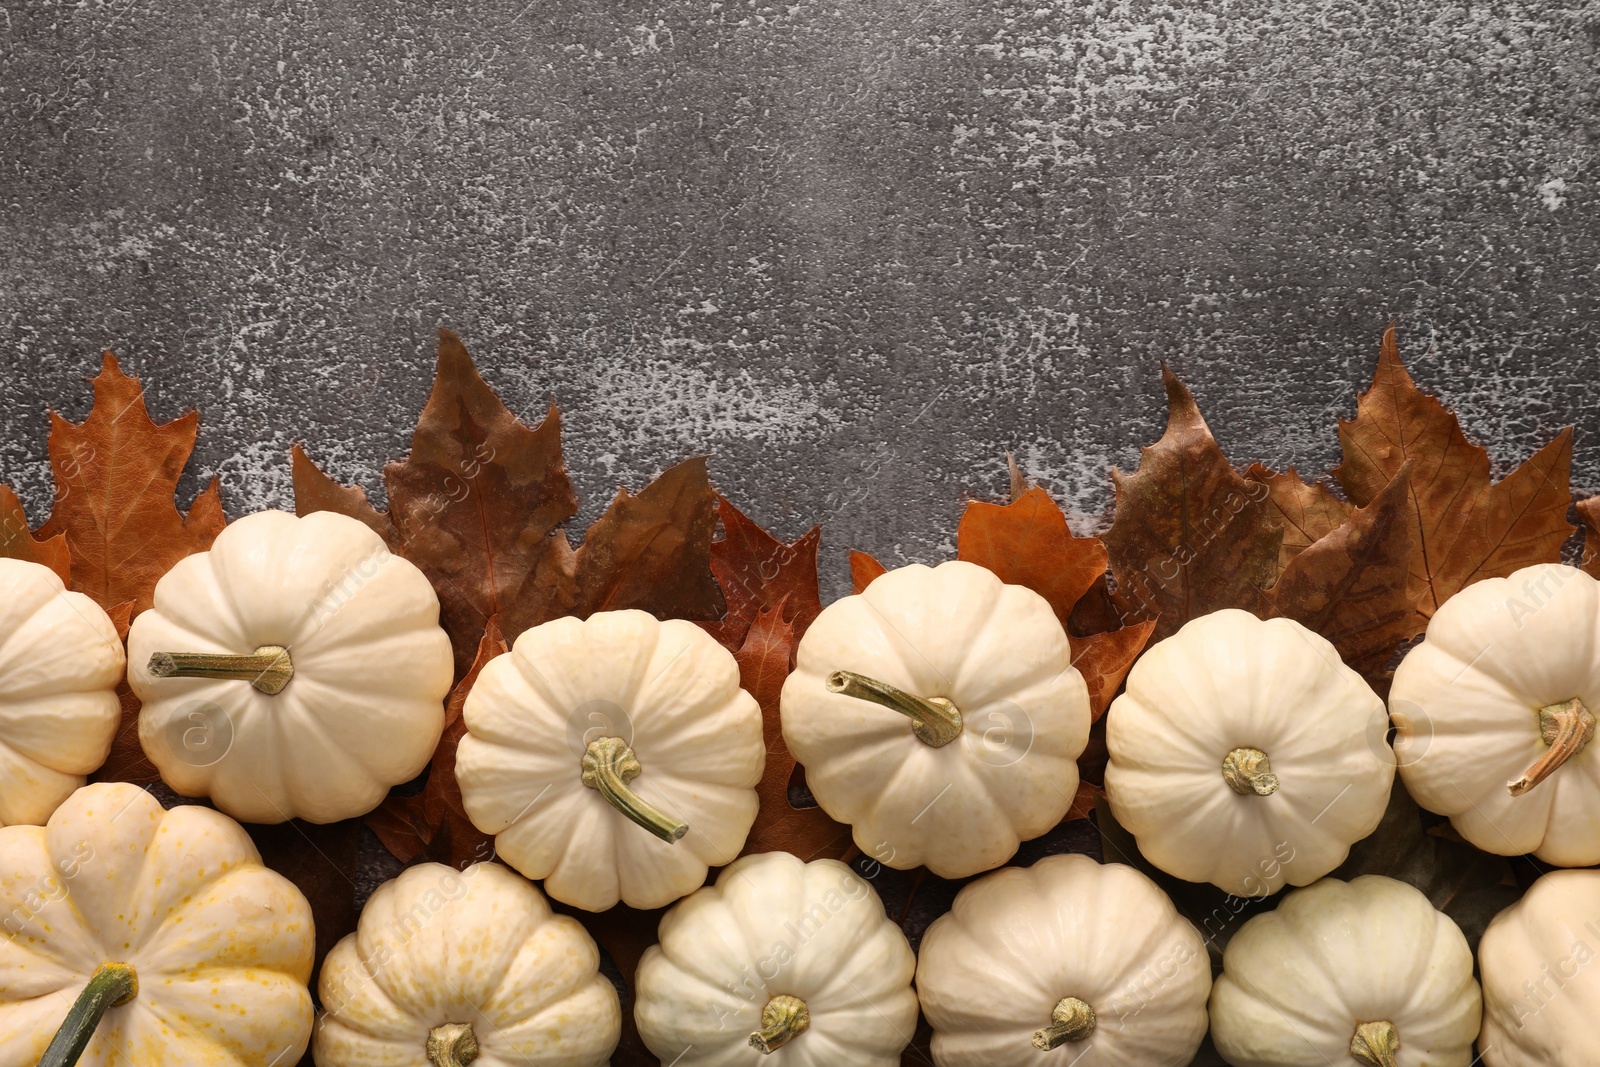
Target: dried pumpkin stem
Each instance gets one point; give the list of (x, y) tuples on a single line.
[(934, 720), (1567, 728), (1376, 1044), (1072, 1020), (782, 1020), (110, 985), (452, 1045), (268, 669), (608, 766), (1249, 773)]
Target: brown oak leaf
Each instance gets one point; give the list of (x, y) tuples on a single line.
[(1589, 513), (116, 475), (1464, 528), (863, 569), (315, 491), (1105, 659), (757, 571), (1349, 585), (434, 822), (1189, 535), (1027, 542), (765, 659), (1307, 513), (17, 540)]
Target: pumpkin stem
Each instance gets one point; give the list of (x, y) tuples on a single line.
[(1247, 772), (1567, 728), (112, 984), (934, 720), (452, 1045), (1073, 1020), (608, 765), (1375, 1044), (782, 1020), (267, 670)]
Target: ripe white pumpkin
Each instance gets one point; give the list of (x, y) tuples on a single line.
[(1540, 960), (782, 962), (200, 955), (1362, 971), (297, 669), (615, 757), (450, 967), (939, 714), (60, 662), (1067, 952), (1246, 754), (1494, 715)]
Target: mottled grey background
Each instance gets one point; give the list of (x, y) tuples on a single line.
[(854, 250)]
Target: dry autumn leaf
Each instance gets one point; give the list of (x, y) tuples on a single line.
[(1589, 512), (434, 822), (116, 475), (1349, 585), (863, 569), (765, 659), (17, 540), (1307, 513), (1465, 529), (479, 506), (757, 571), (1189, 535)]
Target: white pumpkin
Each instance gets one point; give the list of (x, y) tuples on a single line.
[(195, 953), (1067, 952), (939, 714), (450, 967), (1364, 971), (616, 758), (781, 962), (1541, 982), (1495, 711), (295, 670), (1246, 754), (60, 662)]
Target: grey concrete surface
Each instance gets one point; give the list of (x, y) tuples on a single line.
[(853, 250)]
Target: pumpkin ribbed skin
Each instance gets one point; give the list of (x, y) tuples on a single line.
[(1226, 681), (480, 947), (776, 925), (1298, 980), (995, 651), (60, 662), (1541, 985), (1018, 941), (667, 689), (1465, 704), (365, 707), (221, 946)]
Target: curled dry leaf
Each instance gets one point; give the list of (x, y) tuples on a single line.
[(1349, 585), (863, 569), (765, 659), (116, 476), (757, 571), (1464, 528), (1589, 512), (433, 824), (479, 505), (17, 540), (1189, 535)]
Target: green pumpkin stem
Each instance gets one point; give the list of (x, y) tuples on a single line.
[(110, 985), (1071, 1020), (934, 720), (1567, 728), (267, 670), (608, 766), (1376, 1044), (782, 1020)]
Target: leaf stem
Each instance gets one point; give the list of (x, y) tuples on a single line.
[(934, 720), (267, 670), (608, 766), (1567, 728), (111, 984)]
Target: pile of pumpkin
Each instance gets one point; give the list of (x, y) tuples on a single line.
[(615, 759)]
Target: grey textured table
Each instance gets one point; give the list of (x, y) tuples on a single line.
[(852, 250)]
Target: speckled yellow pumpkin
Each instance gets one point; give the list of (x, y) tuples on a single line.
[(201, 953), (455, 967)]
